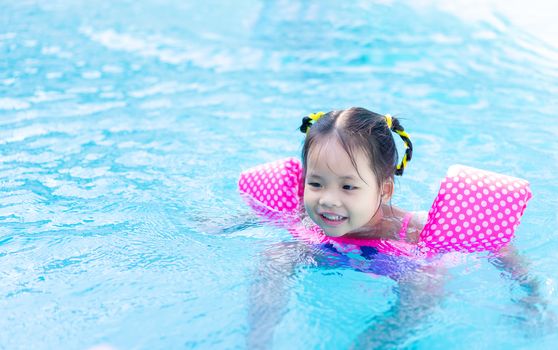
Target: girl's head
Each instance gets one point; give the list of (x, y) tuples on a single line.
[(349, 159)]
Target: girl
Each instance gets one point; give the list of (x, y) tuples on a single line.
[(349, 163), (349, 159)]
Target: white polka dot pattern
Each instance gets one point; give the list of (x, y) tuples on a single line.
[(475, 210), (277, 186)]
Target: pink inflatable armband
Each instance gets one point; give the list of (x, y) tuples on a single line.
[(274, 189), (475, 210)]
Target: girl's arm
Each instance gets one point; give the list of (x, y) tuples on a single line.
[(419, 293), (534, 315), (269, 291), (517, 268)]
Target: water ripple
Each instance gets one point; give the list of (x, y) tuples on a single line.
[(13, 103), (123, 128)]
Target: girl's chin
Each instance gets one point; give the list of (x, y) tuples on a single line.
[(333, 234)]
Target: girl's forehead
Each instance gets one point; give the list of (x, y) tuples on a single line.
[(330, 156)]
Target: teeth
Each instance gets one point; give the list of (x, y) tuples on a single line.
[(332, 217)]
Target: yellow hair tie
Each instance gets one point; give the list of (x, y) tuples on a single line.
[(403, 134), (389, 121), (316, 116)]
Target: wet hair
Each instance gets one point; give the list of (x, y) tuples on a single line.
[(359, 129)]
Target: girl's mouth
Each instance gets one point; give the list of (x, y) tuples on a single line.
[(332, 219)]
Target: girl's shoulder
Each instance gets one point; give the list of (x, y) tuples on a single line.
[(416, 225)]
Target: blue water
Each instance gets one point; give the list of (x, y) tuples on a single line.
[(123, 128)]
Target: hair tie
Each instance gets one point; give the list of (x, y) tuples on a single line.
[(316, 116), (389, 120), (308, 121)]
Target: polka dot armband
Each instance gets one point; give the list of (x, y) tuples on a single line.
[(475, 210), (274, 189)]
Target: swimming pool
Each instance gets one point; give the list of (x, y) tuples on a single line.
[(123, 128)]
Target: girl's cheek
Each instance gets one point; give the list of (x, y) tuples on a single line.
[(306, 200)]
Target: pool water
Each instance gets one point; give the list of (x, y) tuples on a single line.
[(124, 126)]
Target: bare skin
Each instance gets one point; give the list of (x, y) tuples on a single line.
[(390, 226)]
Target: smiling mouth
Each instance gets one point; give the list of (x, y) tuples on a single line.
[(332, 219)]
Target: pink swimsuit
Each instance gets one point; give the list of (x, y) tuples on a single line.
[(404, 225)]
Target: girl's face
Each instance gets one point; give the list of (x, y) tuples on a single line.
[(337, 197)]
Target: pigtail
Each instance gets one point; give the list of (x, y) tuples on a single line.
[(394, 125), (306, 123)]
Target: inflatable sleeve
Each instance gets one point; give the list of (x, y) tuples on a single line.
[(274, 188), (475, 210)]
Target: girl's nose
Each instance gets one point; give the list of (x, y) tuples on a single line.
[(329, 199)]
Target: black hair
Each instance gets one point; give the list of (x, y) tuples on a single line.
[(357, 128)]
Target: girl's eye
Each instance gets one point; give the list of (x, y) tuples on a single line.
[(314, 184), (349, 187)]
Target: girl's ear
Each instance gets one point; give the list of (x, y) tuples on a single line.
[(387, 189)]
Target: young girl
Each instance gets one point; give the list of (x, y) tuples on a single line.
[(349, 161)]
